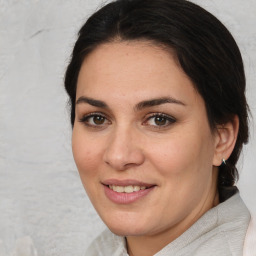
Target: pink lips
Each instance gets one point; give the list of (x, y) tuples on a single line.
[(126, 198)]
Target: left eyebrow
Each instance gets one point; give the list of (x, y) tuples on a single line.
[(156, 102), (92, 102)]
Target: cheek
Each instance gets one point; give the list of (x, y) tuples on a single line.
[(182, 155), (87, 158), (86, 154), (173, 155)]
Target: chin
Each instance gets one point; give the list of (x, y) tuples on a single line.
[(126, 227), (127, 231)]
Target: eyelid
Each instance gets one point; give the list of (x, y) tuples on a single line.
[(169, 118), (107, 121), (85, 117)]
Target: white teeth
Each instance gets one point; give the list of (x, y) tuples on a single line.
[(126, 189), (136, 188), (119, 189)]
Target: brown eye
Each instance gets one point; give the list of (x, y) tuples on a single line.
[(160, 121), (95, 120), (98, 120)]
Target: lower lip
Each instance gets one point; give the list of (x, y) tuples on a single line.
[(125, 198)]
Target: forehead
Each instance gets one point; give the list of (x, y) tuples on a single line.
[(123, 68), (128, 56)]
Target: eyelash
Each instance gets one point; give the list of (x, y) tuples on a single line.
[(166, 118), (85, 120)]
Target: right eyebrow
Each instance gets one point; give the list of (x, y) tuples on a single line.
[(92, 102), (158, 101)]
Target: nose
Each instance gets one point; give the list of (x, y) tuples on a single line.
[(124, 150)]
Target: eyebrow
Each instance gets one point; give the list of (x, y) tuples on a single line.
[(139, 106), (156, 102), (93, 102)]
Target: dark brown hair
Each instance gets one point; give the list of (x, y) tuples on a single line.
[(205, 49)]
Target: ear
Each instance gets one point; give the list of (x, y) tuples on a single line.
[(225, 140)]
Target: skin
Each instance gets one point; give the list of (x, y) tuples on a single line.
[(177, 153)]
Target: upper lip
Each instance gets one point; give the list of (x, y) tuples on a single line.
[(127, 182)]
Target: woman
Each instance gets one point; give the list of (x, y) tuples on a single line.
[(159, 116)]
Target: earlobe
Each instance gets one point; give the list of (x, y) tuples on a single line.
[(225, 140)]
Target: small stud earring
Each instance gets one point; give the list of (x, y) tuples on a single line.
[(223, 161)]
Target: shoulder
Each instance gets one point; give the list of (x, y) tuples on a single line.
[(220, 231), (250, 239), (230, 221), (107, 244)]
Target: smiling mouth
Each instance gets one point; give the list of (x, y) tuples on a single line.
[(126, 189)]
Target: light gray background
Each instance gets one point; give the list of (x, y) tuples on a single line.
[(41, 195)]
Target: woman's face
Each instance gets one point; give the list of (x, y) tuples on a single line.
[(141, 140)]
